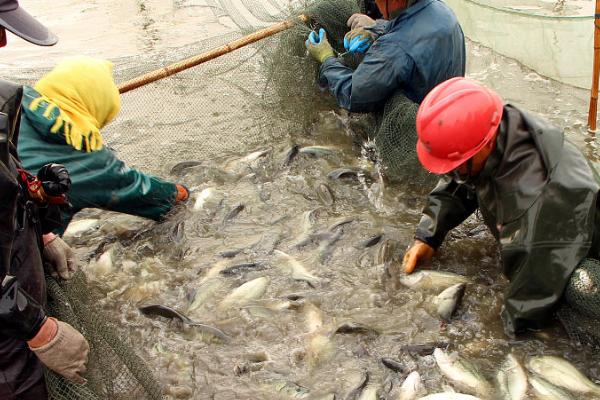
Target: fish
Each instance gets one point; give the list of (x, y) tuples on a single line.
[(80, 226), (204, 292), (356, 392), (159, 310), (296, 269), (369, 393), (309, 218), (353, 327), (313, 237), (449, 396), (449, 300), (385, 252), (234, 212), (547, 391), (462, 373), (512, 379), (105, 264), (214, 270), (181, 167), (411, 387), (370, 242), (326, 248), (208, 197), (290, 155), (319, 150), (424, 349), (563, 374), (177, 234), (290, 389), (427, 279), (231, 253), (313, 317), (394, 365), (340, 222), (240, 268), (341, 173), (324, 194), (245, 293)]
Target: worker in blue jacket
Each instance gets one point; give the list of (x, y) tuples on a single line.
[(419, 45)]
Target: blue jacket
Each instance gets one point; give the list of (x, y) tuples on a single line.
[(417, 50)]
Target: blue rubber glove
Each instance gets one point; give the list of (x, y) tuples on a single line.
[(358, 40), (318, 46)]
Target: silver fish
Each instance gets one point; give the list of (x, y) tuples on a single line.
[(296, 269), (462, 373), (319, 150), (245, 293), (183, 166), (371, 241), (449, 396), (341, 173), (324, 194), (512, 379), (411, 387), (289, 389), (562, 373), (431, 279), (204, 292), (449, 300), (394, 365), (547, 391), (356, 392), (234, 212), (78, 227), (290, 155), (168, 312), (385, 252)]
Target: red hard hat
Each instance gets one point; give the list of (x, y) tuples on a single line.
[(455, 120)]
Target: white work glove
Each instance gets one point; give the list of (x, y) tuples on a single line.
[(60, 257), (360, 21), (62, 349)]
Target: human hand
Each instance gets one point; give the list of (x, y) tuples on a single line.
[(358, 40), (318, 46), (60, 257), (360, 21), (62, 349), (418, 252)]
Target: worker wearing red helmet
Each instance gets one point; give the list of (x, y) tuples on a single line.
[(536, 192)]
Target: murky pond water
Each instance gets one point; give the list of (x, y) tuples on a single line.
[(316, 250)]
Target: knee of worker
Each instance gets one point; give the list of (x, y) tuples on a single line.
[(583, 290)]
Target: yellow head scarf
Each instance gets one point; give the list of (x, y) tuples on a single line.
[(83, 90)]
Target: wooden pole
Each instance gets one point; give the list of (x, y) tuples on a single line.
[(594, 95), (209, 55)]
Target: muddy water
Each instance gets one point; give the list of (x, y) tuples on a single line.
[(282, 348)]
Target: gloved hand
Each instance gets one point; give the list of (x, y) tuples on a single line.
[(183, 194), (62, 349), (418, 252), (60, 257), (318, 46), (358, 40), (360, 21)]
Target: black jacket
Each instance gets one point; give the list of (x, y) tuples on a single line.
[(537, 194), (21, 229)]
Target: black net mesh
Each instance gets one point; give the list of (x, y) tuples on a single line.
[(114, 370), (580, 313)]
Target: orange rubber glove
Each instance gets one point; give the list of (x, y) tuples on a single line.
[(418, 252), (182, 194)]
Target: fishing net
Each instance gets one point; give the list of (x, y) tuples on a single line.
[(114, 370), (580, 312), (293, 77)]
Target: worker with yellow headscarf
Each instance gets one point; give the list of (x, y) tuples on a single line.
[(62, 117)]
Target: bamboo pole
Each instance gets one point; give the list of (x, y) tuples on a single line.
[(594, 95), (209, 55)]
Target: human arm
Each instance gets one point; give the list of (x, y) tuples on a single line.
[(448, 205), (366, 89)]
